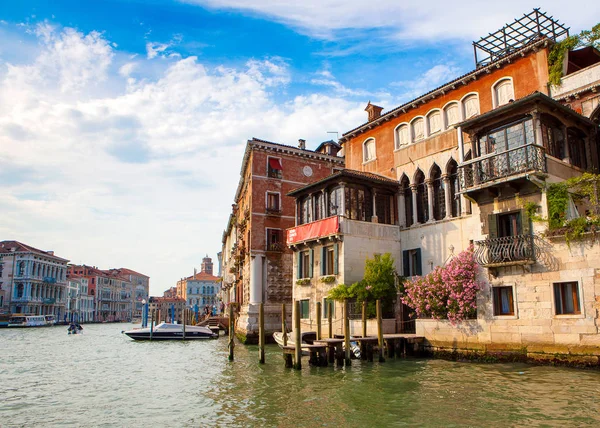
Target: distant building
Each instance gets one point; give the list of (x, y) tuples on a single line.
[(201, 288), (32, 281), (166, 309)]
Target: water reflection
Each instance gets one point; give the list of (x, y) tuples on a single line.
[(102, 378)]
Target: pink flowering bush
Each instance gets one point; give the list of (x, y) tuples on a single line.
[(449, 292)]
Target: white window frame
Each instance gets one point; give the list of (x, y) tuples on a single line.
[(397, 145), (412, 134), (444, 116), (515, 316), (496, 84), (462, 105), (581, 300), (427, 117), (364, 148)]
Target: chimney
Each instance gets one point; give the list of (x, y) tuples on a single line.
[(302, 144), (50, 252), (373, 111), (195, 272)]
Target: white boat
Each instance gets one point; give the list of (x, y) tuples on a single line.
[(307, 338), (166, 331), (27, 320), (50, 320)]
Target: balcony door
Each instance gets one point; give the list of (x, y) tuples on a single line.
[(509, 224)]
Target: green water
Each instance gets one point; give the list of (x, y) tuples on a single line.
[(103, 378)]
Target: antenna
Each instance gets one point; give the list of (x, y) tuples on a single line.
[(336, 134)]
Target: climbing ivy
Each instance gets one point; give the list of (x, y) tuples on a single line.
[(558, 201), (558, 51)]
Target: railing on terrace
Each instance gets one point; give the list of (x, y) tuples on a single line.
[(509, 250), (494, 166)]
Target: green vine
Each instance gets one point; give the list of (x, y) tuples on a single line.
[(303, 281), (556, 56), (558, 200), (328, 279)]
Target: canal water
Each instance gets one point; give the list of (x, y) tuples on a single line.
[(102, 378)]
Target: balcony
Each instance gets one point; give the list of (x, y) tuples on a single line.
[(49, 280), (339, 225), (577, 81), (496, 168), (507, 251), (273, 211)]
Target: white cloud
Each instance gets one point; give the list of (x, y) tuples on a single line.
[(408, 19), (431, 79), (155, 49), (143, 174)]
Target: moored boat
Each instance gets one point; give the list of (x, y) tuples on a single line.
[(27, 320), (166, 331), (50, 320)]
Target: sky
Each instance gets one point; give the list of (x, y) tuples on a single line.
[(123, 122)]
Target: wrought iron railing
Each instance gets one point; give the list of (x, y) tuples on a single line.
[(507, 250), (499, 165)]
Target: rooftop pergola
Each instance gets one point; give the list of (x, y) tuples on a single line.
[(517, 34)]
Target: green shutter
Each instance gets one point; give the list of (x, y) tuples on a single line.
[(418, 268), (335, 259), (323, 260), (525, 223), (405, 264), (492, 226), (299, 264), (311, 256)]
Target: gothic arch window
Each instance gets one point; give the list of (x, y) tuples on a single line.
[(439, 197), (434, 122), (408, 207), (402, 136), (452, 172), (417, 127), (422, 203), (21, 268), (369, 150), (503, 92), (451, 114), (470, 105)]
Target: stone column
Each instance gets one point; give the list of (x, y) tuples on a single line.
[(325, 200), (401, 209), (537, 126), (413, 188), (447, 195), (461, 145), (374, 217), (429, 184), (566, 142), (343, 199)]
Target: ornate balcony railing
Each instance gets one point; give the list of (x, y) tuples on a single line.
[(509, 250), (500, 165)]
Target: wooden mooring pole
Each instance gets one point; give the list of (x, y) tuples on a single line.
[(151, 324), (329, 317), (231, 333), (318, 320), (183, 319), (261, 333), (363, 345), (379, 332), (284, 324), (297, 337), (346, 334)]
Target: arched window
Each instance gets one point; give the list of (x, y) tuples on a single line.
[(451, 114), (434, 122), (503, 92), (453, 181), (422, 204), (402, 136), (439, 197), (418, 129), (21, 268), (204, 290), (408, 209), (369, 150), (470, 106)]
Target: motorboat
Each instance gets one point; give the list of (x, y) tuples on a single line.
[(75, 328), (167, 331), (27, 320), (50, 320)]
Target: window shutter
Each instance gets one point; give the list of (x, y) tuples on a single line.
[(525, 223), (299, 265), (323, 260), (492, 226), (405, 263), (311, 256), (418, 268), (335, 259)]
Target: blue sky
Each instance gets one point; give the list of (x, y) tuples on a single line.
[(123, 122)]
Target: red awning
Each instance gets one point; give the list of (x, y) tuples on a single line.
[(275, 163)]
